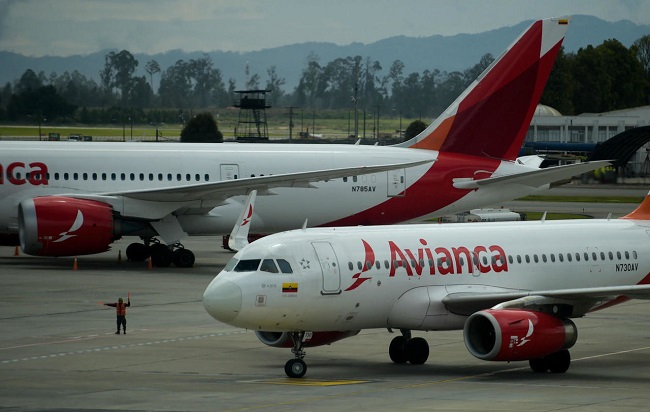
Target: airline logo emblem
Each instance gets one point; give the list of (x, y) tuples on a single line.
[(247, 219), (441, 261), (76, 225), (519, 342)]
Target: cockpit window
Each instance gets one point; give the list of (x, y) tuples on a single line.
[(247, 265), (285, 267), (231, 264), (268, 265)]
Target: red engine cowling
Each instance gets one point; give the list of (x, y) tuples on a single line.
[(515, 334), (283, 339), (64, 226)]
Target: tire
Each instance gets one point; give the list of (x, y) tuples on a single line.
[(183, 258), (538, 365), (559, 362), (161, 256), (417, 351), (137, 252), (295, 368), (396, 349)]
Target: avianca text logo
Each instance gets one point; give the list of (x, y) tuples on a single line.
[(18, 173), (78, 222), (440, 260)]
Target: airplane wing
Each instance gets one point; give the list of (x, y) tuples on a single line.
[(223, 189), (534, 178), (583, 299)]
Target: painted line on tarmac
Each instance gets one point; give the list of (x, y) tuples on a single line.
[(123, 346), (308, 382)]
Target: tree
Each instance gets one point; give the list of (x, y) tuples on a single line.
[(202, 128), (415, 128), (152, 67), (642, 48), (118, 72)]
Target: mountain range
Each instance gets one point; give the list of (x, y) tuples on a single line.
[(445, 53)]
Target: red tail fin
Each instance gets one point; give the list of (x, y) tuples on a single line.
[(492, 116)]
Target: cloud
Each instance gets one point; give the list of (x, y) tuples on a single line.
[(67, 27)]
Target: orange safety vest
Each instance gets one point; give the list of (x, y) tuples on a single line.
[(120, 309)]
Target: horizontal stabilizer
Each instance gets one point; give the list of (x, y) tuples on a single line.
[(534, 178)]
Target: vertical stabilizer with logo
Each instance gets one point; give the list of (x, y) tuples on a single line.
[(491, 117)]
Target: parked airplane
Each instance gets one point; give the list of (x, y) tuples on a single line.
[(512, 287), (77, 198)]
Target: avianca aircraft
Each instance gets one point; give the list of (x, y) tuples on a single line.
[(512, 287), (65, 199)]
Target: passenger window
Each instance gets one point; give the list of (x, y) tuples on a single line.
[(627, 255), (510, 259), (568, 257), (536, 258), (285, 267), (518, 258), (160, 177), (602, 255), (618, 255), (544, 257), (378, 265), (611, 256), (350, 266), (594, 256), (586, 257), (268, 265), (634, 254), (527, 259)]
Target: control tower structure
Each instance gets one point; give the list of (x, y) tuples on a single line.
[(252, 106)]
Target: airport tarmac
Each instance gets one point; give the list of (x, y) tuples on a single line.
[(58, 351)]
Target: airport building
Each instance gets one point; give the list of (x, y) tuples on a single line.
[(550, 132)]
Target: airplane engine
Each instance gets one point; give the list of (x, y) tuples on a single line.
[(514, 334), (63, 226), (283, 339)]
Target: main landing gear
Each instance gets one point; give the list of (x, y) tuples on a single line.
[(161, 255), (404, 349), (296, 368), (557, 362)]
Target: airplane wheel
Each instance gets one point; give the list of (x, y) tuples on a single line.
[(396, 349), (137, 252), (295, 368), (559, 362), (538, 365), (417, 351), (161, 256), (183, 258)]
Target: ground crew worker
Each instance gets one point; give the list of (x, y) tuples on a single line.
[(120, 311)]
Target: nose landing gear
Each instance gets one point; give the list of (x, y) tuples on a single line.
[(296, 368)]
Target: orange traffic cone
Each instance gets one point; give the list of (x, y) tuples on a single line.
[(149, 264), (17, 251), (74, 265)]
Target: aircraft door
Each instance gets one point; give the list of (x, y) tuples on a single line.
[(229, 171), (396, 183), (329, 267)]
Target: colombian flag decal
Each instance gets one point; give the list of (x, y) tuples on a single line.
[(289, 287)]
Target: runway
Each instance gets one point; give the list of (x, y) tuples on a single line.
[(58, 351)]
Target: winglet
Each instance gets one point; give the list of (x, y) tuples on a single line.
[(642, 212), (491, 117), (239, 235)]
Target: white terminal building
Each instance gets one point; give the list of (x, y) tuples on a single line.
[(576, 132)]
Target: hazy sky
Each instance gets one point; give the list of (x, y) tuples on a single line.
[(67, 27)]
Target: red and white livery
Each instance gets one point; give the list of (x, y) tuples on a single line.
[(512, 287), (66, 199)]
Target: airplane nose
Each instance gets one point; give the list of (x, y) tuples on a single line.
[(222, 300)]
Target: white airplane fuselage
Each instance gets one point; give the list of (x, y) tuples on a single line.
[(397, 277), (82, 169)]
